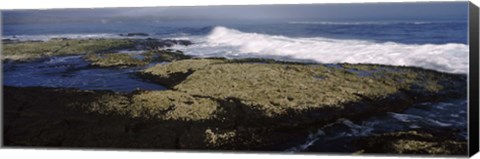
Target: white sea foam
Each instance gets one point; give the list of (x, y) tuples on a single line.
[(406, 117), (311, 139), (222, 41)]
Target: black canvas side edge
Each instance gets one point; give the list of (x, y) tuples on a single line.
[(473, 101), (2, 115)]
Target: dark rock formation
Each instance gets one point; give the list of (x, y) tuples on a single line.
[(224, 105), (134, 59), (413, 142), (135, 34), (31, 50)]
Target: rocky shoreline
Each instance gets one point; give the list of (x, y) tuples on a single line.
[(25, 51), (221, 104)]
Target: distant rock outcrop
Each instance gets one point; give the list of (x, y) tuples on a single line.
[(135, 34), (31, 50)]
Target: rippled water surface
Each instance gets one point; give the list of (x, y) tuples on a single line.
[(73, 72), (449, 116)]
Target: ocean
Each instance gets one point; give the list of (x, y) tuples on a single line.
[(438, 45)]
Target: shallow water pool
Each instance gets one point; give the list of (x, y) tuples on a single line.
[(74, 72)]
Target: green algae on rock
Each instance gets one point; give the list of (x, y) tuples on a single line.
[(413, 142), (172, 105), (217, 139), (25, 51), (31, 50), (291, 96), (280, 89), (114, 59), (167, 55), (182, 66), (49, 117), (173, 73), (132, 59), (158, 105), (222, 104)]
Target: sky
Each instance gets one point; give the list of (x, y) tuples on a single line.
[(317, 12)]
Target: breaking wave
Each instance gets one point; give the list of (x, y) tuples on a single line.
[(231, 43)]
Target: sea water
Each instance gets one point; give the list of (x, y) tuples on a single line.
[(438, 45)]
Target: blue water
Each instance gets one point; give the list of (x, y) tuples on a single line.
[(430, 44), (408, 32), (73, 72), (446, 116)]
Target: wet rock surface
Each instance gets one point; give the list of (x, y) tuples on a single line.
[(165, 55), (413, 142), (134, 59), (216, 103), (225, 104), (173, 73), (114, 60), (102, 119), (33, 50), (27, 51)]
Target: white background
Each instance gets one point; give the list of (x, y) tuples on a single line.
[(87, 154)]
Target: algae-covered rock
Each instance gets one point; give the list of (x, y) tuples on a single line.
[(134, 59), (173, 73), (165, 55), (183, 66), (114, 59), (227, 104), (49, 117), (413, 142), (25, 51), (160, 105), (287, 89), (274, 89), (267, 99), (172, 105), (31, 50), (217, 139)]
